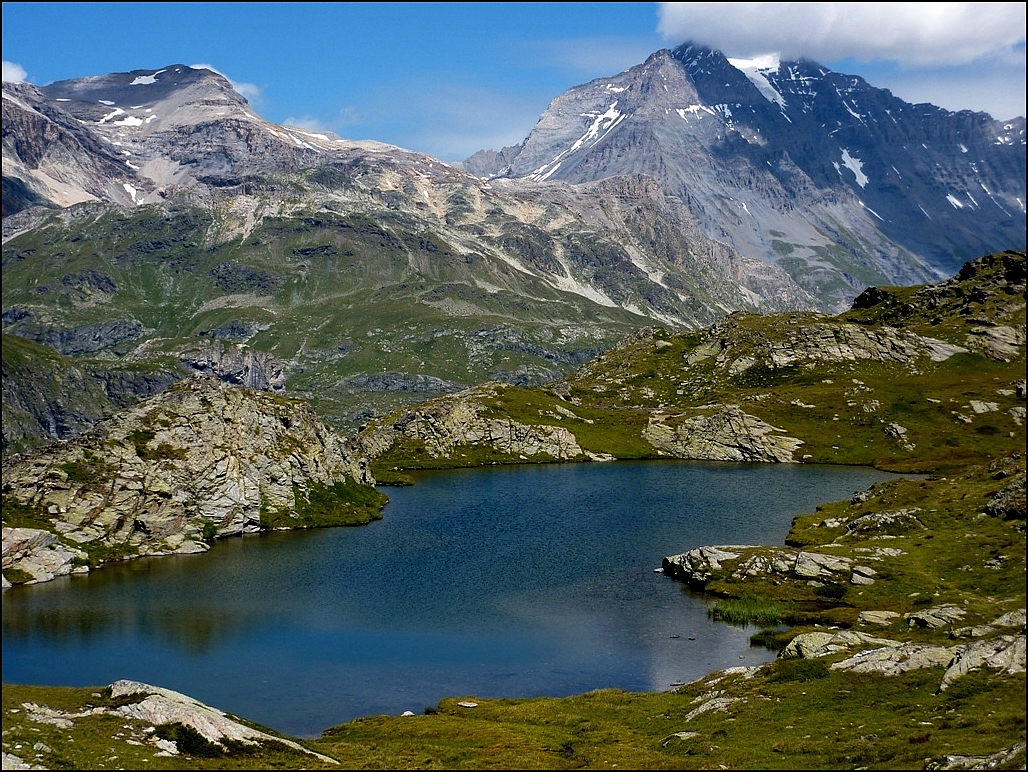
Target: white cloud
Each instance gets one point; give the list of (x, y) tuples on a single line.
[(960, 56), (913, 34), (14, 73), (251, 91)]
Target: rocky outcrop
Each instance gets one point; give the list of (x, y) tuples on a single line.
[(997, 760), (73, 341), (200, 461), (158, 706), (47, 396), (40, 554), (726, 434), (445, 424), (234, 363), (737, 350), (700, 565), (147, 707), (864, 653), (399, 382), (1010, 502)]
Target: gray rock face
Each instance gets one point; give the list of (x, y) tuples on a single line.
[(233, 363), (51, 397), (199, 461), (446, 423), (85, 339), (736, 352), (885, 656), (155, 706), (935, 617), (791, 162), (698, 566), (39, 553), (1010, 502), (728, 434)]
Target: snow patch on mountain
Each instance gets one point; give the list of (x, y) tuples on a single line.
[(694, 110), (145, 80), (854, 164), (602, 124), (757, 70)]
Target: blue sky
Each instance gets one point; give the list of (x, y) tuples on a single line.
[(452, 78)]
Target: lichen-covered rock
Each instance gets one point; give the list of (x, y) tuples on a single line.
[(823, 643), (935, 617), (443, 424), (817, 342), (1009, 503), (1005, 653), (698, 566), (40, 554), (897, 658), (200, 461), (727, 434)]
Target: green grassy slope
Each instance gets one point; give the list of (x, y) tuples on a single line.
[(328, 295), (952, 536)]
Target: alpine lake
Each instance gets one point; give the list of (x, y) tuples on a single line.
[(513, 581)]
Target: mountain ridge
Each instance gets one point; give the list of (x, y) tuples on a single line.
[(790, 161), (152, 212)]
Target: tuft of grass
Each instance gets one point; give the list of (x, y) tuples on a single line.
[(748, 610), (322, 506)]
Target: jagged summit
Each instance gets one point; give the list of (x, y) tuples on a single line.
[(136, 137), (816, 171)]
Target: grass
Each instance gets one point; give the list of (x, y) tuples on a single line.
[(809, 717), (942, 548), (321, 506), (300, 287), (747, 610)]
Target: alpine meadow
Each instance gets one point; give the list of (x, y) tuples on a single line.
[(215, 326)]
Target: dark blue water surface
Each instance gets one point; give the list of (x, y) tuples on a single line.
[(500, 582)]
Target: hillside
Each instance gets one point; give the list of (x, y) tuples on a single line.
[(900, 614), (353, 274), (154, 219), (909, 379), (839, 183), (200, 461)]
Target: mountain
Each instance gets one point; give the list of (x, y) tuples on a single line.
[(906, 379), (832, 179), (908, 595), (154, 214), (152, 219)]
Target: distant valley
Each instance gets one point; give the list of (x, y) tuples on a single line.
[(154, 226)]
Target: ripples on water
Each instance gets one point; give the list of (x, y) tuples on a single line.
[(500, 582)]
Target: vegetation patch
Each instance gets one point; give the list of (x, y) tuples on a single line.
[(748, 610), (17, 514), (322, 506)]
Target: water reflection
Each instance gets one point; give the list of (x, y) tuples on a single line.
[(503, 582)]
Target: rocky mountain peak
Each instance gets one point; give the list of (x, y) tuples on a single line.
[(840, 183), (198, 461), (148, 99)]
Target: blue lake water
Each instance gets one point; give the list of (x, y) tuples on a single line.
[(499, 582)]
